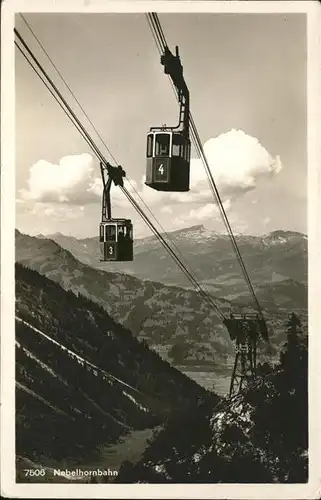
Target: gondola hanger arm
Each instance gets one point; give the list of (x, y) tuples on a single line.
[(115, 174)]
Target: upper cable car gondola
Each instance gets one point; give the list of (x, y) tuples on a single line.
[(115, 235), (169, 148)]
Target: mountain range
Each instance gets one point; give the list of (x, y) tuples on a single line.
[(275, 263), (167, 315)]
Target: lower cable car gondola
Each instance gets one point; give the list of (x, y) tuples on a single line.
[(116, 240), (115, 235), (169, 148)]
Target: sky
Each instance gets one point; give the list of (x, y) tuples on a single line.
[(247, 79)]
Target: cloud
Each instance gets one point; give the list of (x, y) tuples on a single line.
[(207, 211), (55, 211), (72, 181), (166, 210), (237, 161), (202, 214)]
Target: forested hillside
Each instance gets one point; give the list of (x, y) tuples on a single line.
[(82, 380), (259, 436)]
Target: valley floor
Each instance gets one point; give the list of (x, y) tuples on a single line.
[(130, 448)]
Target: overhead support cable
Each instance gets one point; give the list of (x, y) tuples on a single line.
[(66, 111), (58, 93), (161, 43), (40, 71), (100, 136), (198, 287), (68, 87)]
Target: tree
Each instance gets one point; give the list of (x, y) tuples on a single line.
[(178, 353), (294, 357), (281, 409)]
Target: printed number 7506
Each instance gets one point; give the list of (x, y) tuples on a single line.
[(34, 472)]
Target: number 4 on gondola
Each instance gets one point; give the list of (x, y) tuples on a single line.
[(161, 171)]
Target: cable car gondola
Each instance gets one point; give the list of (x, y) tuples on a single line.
[(169, 148), (116, 240), (115, 235)]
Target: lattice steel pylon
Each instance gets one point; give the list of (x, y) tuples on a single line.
[(244, 330)]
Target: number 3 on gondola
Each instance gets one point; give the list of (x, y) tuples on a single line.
[(110, 250)]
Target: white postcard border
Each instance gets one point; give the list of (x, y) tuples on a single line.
[(229, 491)]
